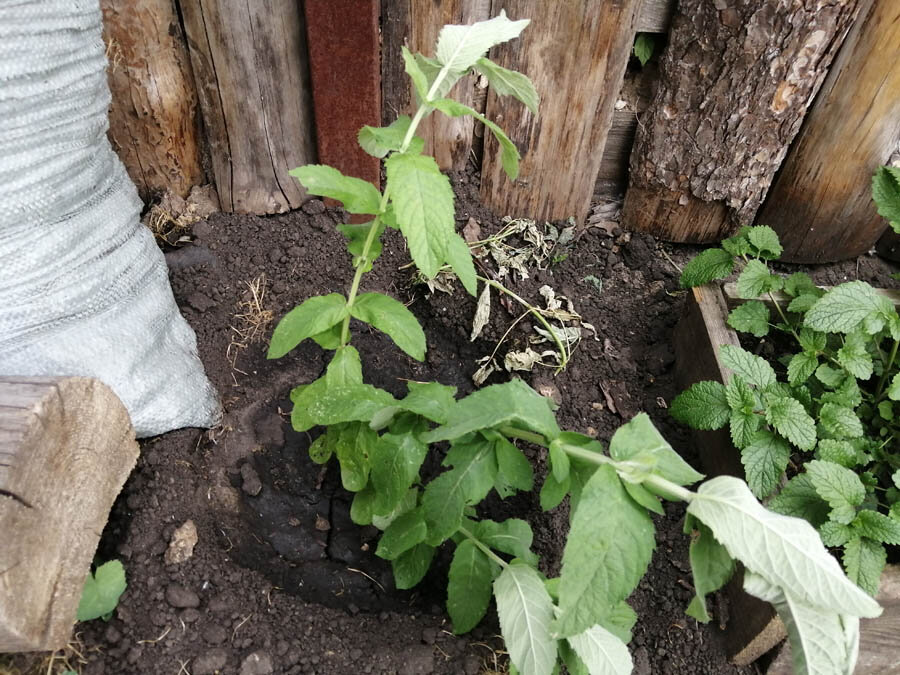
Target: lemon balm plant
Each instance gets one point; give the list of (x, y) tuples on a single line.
[(581, 618)]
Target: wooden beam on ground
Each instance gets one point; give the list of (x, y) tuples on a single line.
[(735, 84), (66, 448), (575, 53), (153, 118), (250, 65), (821, 204)]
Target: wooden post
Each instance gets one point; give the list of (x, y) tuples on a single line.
[(250, 65), (153, 123), (821, 205), (66, 448), (735, 84), (575, 53)]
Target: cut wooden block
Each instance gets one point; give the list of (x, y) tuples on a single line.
[(66, 448), (821, 203)]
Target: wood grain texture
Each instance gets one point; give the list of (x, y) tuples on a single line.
[(153, 118), (656, 16), (734, 88), (562, 148), (250, 65), (821, 204), (66, 448), (395, 92)]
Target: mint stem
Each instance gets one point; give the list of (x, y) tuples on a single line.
[(887, 370), (484, 549)]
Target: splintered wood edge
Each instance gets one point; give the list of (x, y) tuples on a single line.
[(68, 446)]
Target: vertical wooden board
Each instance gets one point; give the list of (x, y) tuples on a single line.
[(250, 65), (153, 118), (345, 69), (575, 53), (394, 82), (821, 204), (448, 139)]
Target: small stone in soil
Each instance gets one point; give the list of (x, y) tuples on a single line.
[(214, 634), (313, 206), (181, 546), (251, 483), (200, 301), (178, 596), (257, 663), (209, 662)]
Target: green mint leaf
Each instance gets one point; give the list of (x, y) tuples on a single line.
[(787, 552), (509, 153), (414, 70), (893, 391), (509, 83), (886, 194), (835, 534), (765, 460), (553, 492), (854, 356), (423, 204), (799, 283), (756, 279), (799, 499), (353, 448), (329, 339), (381, 519), (843, 308), (821, 641), (802, 303), (644, 497), (739, 395), (390, 316), (432, 69), (600, 568), (468, 587), (738, 245), (840, 421), (711, 567), (751, 317), (460, 259), (878, 527), (639, 439), (801, 367), (337, 404), (312, 317), (864, 560), (512, 403), (412, 565), (512, 536), (356, 241), (405, 532), (344, 369), (559, 460), (743, 426), (356, 194), (430, 400), (711, 264), (460, 47), (765, 239), (101, 591), (321, 449), (754, 369), (477, 463), (396, 459), (514, 472), (362, 506), (379, 141), (830, 377), (644, 44), (525, 610), (812, 341), (838, 452), (702, 406), (886, 410), (789, 418), (839, 486), (601, 651)]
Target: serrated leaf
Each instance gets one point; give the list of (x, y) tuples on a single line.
[(468, 587), (840, 421), (839, 486), (460, 47), (602, 652), (514, 472), (390, 316), (313, 316), (643, 47), (821, 641), (878, 527), (751, 317), (525, 610), (864, 560), (601, 566), (512, 403), (765, 239), (101, 591), (405, 532), (801, 367), (799, 283), (353, 448), (414, 70), (703, 406), (477, 461), (711, 567), (344, 368), (379, 141), (843, 308), (787, 552), (854, 357), (423, 203), (711, 264), (553, 492), (765, 460), (830, 377), (356, 242), (839, 452), (356, 194), (412, 565), (754, 369), (743, 427), (509, 83), (459, 257), (802, 303), (799, 499), (512, 536), (755, 279), (886, 193), (811, 340), (789, 418), (431, 400), (835, 534), (738, 245), (509, 153), (395, 460), (639, 438), (337, 404)]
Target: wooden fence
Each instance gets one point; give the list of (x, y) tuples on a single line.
[(771, 108)]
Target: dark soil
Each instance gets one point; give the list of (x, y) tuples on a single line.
[(281, 580)]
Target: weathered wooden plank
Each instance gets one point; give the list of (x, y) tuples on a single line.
[(735, 84), (67, 447), (563, 146), (733, 298), (821, 204), (250, 66), (394, 81), (153, 119), (656, 16)]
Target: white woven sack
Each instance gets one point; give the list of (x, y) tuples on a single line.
[(83, 287)]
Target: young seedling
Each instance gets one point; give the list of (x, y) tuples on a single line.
[(581, 618)]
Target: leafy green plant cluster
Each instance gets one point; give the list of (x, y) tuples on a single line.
[(581, 618), (830, 405)]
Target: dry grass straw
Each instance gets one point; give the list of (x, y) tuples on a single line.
[(250, 322)]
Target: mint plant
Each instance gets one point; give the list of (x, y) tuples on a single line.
[(829, 405), (581, 618)]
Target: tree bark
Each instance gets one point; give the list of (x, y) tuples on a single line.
[(153, 122), (250, 64), (736, 81)]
